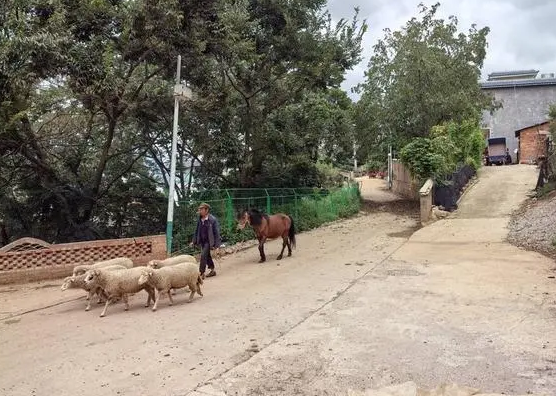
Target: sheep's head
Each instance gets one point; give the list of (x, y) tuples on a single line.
[(145, 276), (91, 275), (67, 282), (153, 264)]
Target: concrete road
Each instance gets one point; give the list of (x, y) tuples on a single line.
[(357, 306)]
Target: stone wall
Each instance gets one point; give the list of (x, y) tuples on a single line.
[(402, 183)]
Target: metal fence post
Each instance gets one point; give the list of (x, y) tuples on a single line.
[(268, 206), (229, 211), (295, 204)]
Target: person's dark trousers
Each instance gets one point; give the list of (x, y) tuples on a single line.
[(206, 259)]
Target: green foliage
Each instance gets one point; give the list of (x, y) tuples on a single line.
[(545, 190), (86, 109), (422, 159), (552, 155), (449, 145), (420, 76), (330, 175)]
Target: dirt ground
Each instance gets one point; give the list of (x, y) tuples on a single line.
[(359, 305)]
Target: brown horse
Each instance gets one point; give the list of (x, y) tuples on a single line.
[(269, 227)]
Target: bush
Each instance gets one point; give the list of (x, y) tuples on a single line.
[(422, 159), (449, 146)]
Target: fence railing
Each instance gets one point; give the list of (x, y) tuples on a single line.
[(226, 204), (447, 194)]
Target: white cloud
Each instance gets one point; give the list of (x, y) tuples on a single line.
[(522, 33)]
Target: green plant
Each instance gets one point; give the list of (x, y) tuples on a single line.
[(421, 158), (449, 145), (543, 191)]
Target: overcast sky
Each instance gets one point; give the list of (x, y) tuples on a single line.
[(522, 32)]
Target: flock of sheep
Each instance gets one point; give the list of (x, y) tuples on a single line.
[(117, 278)]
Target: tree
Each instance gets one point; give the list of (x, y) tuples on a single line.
[(423, 75), (86, 110)]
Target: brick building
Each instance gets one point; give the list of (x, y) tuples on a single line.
[(533, 142), (526, 98)]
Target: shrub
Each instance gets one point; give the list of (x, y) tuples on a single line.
[(449, 145)]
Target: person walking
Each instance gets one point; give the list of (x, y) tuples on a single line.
[(207, 237)]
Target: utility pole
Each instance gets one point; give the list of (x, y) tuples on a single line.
[(172, 185)]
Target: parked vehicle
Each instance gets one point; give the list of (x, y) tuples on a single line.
[(498, 152)]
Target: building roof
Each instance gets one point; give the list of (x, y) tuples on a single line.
[(518, 132), (513, 73), (534, 82)]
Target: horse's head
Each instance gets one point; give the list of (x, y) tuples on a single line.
[(243, 220)]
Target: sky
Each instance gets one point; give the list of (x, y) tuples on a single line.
[(522, 32)]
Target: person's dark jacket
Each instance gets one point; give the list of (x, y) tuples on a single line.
[(213, 232)]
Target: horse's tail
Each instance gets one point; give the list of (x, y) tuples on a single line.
[(291, 233)]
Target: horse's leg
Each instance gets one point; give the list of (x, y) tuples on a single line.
[(284, 243), (289, 246), (261, 249), (287, 239)]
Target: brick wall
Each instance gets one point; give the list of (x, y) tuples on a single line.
[(28, 259), (532, 144), (402, 182)]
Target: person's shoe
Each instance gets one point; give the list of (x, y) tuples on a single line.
[(211, 273)]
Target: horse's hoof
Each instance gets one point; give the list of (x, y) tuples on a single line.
[(279, 258), (261, 261)]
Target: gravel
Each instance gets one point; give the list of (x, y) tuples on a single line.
[(533, 227)]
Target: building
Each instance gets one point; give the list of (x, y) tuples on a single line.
[(533, 142), (525, 97)]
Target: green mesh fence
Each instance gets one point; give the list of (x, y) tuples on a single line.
[(309, 207)]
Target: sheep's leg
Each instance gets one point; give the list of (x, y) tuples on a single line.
[(108, 301), (170, 297), (156, 301), (191, 295), (198, 288), (150, 296), (101, 295), (89, 298), (126, 303)]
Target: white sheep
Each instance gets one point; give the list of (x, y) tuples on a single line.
[(78, 282), (124, 261), (119, 283), (182, 258), (172, 277)]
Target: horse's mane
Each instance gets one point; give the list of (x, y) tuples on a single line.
[(256, 216)]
